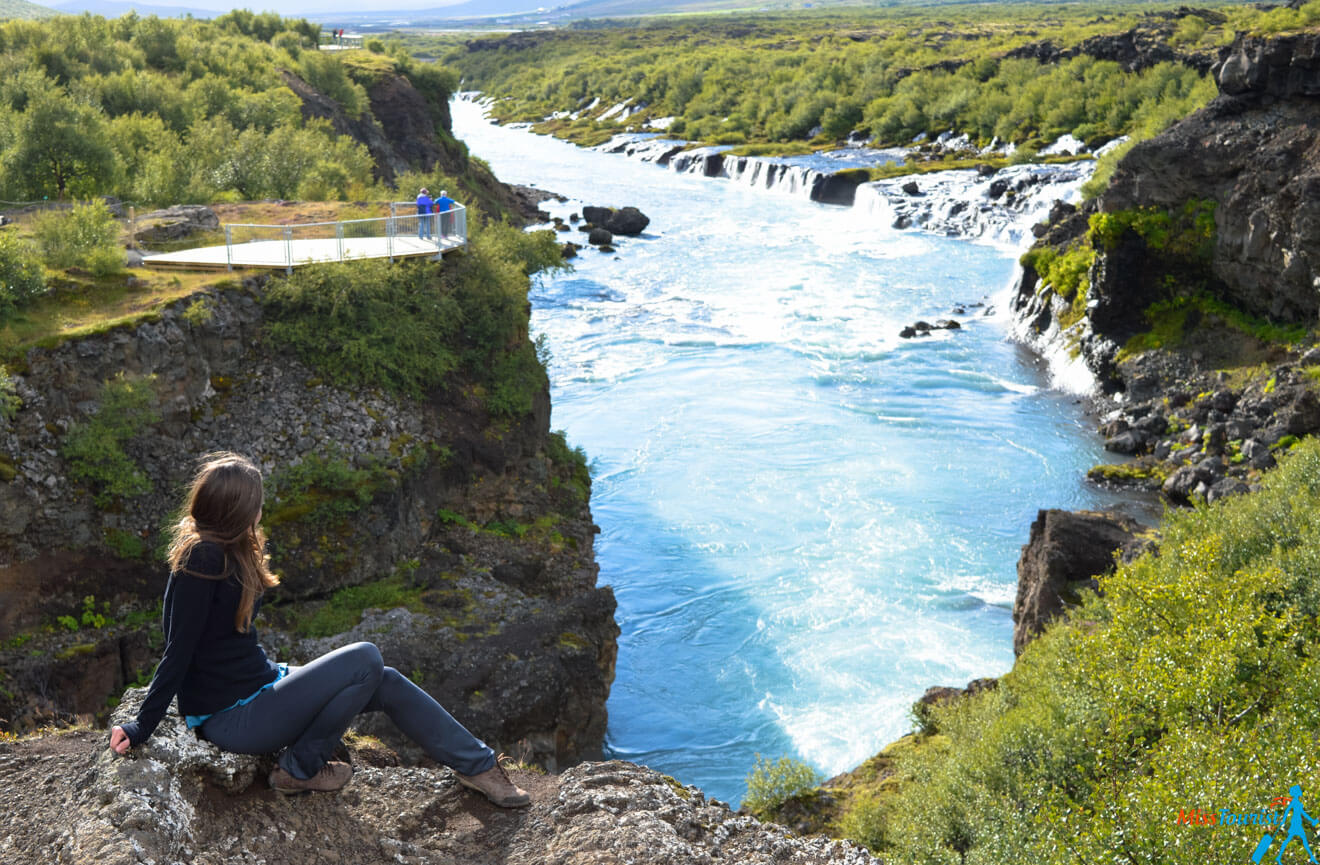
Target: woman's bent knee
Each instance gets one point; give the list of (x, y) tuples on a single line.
[(367, 658)]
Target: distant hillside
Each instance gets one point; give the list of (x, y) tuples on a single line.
[(23, 9), (115, 8), (533, 13)]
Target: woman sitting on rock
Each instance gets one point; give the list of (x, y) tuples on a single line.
[(236, 698)]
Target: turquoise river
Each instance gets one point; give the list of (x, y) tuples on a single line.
[(806, 519)]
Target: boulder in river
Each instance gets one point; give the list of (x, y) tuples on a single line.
[(599, 237), (626, 220)]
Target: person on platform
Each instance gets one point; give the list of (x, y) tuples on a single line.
[(424, 216), (443, 205)]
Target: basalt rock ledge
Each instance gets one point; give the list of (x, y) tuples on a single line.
[(69, 800)]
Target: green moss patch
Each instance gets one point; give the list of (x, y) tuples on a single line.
[(344, 609)]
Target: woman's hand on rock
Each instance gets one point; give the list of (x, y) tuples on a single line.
[(119, 741)]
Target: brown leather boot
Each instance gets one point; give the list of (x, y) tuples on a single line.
[(333, 776), (496, 787)]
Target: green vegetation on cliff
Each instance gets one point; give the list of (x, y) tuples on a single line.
[(1193, 682), (95, 449), (160, 111), (406, 327), (1179, 241)]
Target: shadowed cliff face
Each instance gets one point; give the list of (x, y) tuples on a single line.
[(478, 525), (1205, 272), (1255, 151)]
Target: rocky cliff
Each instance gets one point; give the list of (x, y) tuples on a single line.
[(472, 527), (1254, 152), (1190, 288), (178, 799)]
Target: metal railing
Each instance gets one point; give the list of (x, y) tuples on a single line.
[(344, 43), (398, 235), (452, 222)]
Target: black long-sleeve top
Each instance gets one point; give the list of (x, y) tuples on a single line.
[(208, 663)]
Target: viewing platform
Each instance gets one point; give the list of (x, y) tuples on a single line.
[(329, 42), (284, 247)]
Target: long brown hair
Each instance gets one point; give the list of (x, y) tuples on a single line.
[(222, 507)]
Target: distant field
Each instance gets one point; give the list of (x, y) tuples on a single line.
[(1025, 73)]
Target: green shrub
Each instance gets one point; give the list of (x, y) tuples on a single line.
[(1167, 322), (10, 402), (345, 607), (200, 311), (368, 324), (22, 278), (1104, 169), (406, 328), (126, 545), (1067, 272), (94, 449), (86, 236), (322, 490), (574, 460), (326, 72), (771, 784), (1188, 231)]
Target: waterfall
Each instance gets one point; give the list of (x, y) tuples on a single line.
[(997, 207)]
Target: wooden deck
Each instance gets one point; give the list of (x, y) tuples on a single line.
[(281, 254)]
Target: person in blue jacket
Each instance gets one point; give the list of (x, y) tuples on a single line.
[(443, 205), (235, 697), (424, 214)]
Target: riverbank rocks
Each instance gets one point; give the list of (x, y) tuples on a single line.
[(530, 199), (1064, 554), (628, 221), (924, 328), (69, 799), (840, 187)]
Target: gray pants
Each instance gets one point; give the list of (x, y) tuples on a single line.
[(308, 711)]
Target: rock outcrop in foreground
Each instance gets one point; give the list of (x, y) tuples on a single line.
[(68, 799), (1063, 557)]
